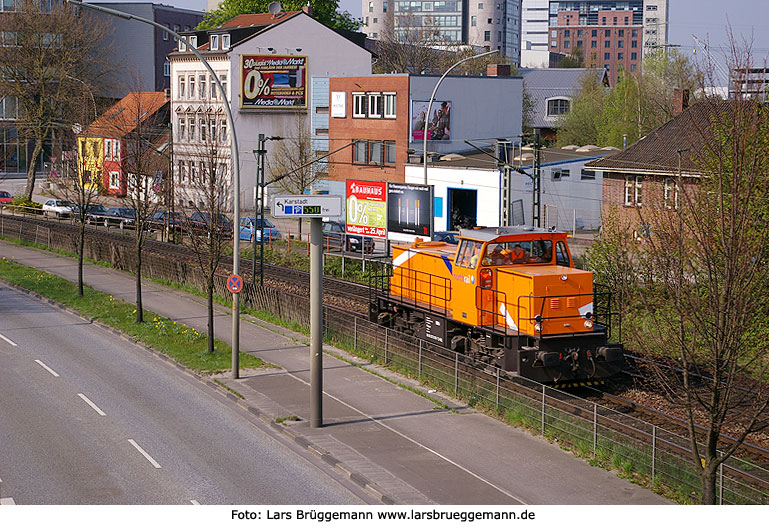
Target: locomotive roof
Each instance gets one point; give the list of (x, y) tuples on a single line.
[(488, 234)]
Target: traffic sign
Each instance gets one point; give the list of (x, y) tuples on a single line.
[(234, 283), (307, 206)]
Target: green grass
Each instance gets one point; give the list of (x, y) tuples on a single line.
[(184, 344)]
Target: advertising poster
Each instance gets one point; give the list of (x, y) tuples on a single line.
[(367, 208), (439, 122), (410, 209), (273, 81)]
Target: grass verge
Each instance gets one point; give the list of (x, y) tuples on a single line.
[(184, 344)]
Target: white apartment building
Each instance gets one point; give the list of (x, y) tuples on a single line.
[(265, 63), (656, 25), (535, 48)]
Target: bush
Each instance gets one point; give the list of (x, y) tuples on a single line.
[(26, 206)]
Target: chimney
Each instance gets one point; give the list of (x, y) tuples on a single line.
[(307, 9), (498, 70), (680, 101)]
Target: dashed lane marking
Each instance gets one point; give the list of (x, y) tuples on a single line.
[(7, 501), (47, 368), (94, 406), (194, 502), (8, 341), (145, 454)]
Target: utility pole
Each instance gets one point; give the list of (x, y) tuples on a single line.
[(536, 186), (260, 151), (504, 161)]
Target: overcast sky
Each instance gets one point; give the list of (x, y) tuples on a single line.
[(705, 18)]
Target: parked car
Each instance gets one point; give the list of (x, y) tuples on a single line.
[(95, 213), (59, 208), (5, 197), (122, 217), (448, 236), (202, 221), (335, 238), (175, 220), (247, 229)]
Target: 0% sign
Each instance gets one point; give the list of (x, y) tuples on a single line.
[(358, 213)]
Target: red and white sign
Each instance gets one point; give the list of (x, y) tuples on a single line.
[(367, 208)]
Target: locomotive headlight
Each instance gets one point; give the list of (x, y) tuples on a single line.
[(538, 327), (564, 277), (588, 324)]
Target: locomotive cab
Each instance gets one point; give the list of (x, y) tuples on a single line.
[(510, 296)]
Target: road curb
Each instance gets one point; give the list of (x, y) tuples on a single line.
[(313, 449)]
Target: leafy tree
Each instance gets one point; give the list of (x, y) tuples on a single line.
[(575, 59), (581, 124), (324, 11)]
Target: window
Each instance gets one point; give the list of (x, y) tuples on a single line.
[(223, 131), (579, 44), (566, 44), (371, 7), (193, 41), (567, 33), (634, 44), (587, 175), (633, 187), (487, 36), (182, 84), (615, 21), (621, 44), (182, 172), (389, 105), (593, 44), (223, 80), (633, 67), (114, 177), (376, 152), (166, 34), (480, 5), (375, 105), (607, 44), (384, 7), (473, 21), (554, 34), (167, 68), (634, 56), (226, 41), (214, 42), (607, 33), (360, 152), (203, 130), (488, 21), (579, 33), (360, 105), (192, 87), (561, 255), (671, 194), (594, 33), (651, 8), (390, 153), (191, 125), (182, 46), (620, 33), (202, 87), (558, 106), (468, 254), (376, 20), (107, 148), (182, 123), (212, 129), (559, 174), (634, 33), (214, 91), (620, 56), (607, 56)]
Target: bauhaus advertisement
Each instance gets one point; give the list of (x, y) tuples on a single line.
[(273, 82), (367, 208)]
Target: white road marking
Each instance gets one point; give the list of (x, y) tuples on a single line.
[(8, 341), (47, 368), (7, 501), (194, 502), (145, 454), (95, 408), (454, 463)]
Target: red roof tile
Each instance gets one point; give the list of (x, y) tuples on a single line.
[(123, 117), (258, 19)]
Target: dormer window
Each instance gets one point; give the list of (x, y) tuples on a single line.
[(558, 106), (226, 41), (182, 46), (214, 42), (193, 41)]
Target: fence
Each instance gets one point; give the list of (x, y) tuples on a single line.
[(626, 443)]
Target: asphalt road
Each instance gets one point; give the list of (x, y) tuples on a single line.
[(88, 418)]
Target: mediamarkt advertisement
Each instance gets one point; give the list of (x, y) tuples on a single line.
[(367, 208), (273, 81)]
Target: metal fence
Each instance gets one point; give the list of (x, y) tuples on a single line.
[(632, 446)]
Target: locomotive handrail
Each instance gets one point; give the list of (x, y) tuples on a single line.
[(417, 277)]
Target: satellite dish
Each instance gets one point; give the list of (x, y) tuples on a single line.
[(274, 8)]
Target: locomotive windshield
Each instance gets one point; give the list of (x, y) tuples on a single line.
[(521, 252)]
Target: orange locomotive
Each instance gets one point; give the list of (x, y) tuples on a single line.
[(506, 296)]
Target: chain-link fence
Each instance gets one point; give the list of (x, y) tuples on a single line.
[(632, 446)]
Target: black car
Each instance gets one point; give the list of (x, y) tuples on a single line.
[(93, 213), (202, 220), (122, 217), (174, 220), (446, 236), (335, 238)]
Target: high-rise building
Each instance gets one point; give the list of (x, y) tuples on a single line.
[(614, 35), (492, 24), (535, 48)]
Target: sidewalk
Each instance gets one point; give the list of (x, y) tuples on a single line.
[(395, 443)]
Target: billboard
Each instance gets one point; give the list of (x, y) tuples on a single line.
[(409, 209), (438, 125), (273, 82), (367, 208)]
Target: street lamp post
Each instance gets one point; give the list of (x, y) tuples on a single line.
[(432, 98), (235, 168)]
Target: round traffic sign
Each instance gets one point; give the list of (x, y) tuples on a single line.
[(234, 283)]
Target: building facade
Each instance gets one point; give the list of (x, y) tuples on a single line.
[(535, 45), (492, 25), (377, 123), (614, 35), (265, 63), (141, 49)]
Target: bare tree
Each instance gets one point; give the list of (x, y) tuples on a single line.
[(205, 192), (146, 167), (290, 165), (698, 293), (49, 58)]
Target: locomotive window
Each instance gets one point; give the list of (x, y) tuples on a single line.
[(561, 256), (518, 252), (468, 250)]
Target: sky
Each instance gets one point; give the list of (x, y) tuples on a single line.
[(705, 18)]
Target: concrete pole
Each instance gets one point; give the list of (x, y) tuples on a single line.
[(316, 323)]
